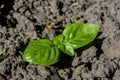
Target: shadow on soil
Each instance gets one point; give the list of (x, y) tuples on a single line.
[(5, 7), (39, 29)]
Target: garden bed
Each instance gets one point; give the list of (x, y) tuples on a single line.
[(22, 21)]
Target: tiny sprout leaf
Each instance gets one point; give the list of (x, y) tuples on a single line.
[(68, 49), (2, 52), (80, 34), (59, 39), (58, 42), (42, 52), (64, 47)]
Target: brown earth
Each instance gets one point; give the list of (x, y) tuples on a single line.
[(22, 21)]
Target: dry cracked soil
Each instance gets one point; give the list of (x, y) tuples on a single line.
[(22, 21)]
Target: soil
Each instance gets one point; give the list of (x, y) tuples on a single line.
[(22, 21)]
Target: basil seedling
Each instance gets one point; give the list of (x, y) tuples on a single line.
[(45, 52)]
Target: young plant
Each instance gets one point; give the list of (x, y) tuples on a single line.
[(45, 52)]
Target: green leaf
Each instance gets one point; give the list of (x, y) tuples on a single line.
[(80, 34), (75, 36), (59, 39), (2, 52), (68, 49), (65, 47), (42, 52)]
